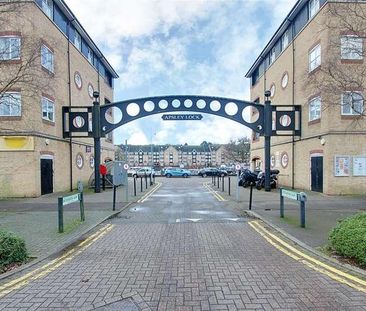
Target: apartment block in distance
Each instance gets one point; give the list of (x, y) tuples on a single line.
[(60, 65), (314, 60)]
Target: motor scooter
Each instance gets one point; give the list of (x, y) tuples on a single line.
[(260, 183), (247, 178)]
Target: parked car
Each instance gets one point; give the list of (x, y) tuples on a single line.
[(132, 170), (175, 172), (143, 171), (211, 171)]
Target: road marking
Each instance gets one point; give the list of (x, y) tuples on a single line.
[(194, 219), (214, 193), (309, 261), (177, 220), (148, 194), (232, 219), (54, 264)]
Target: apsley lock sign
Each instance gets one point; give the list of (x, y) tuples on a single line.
[(181, 117)]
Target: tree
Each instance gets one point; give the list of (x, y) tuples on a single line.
[(20, 61), (238, 150), (342, 74)]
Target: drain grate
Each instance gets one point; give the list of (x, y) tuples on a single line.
[(122, 305)]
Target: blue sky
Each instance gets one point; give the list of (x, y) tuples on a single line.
[(169, 47)]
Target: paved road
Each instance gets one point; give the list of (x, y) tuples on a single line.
[(182, 249)]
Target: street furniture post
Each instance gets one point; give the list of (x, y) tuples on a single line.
[(251, 196), (96, 137), (267, 140)]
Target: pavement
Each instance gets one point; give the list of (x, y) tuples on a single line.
[(36, 219), (185, 247)]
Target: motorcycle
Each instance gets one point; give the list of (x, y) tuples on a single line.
[(247, 178), (260, 183)]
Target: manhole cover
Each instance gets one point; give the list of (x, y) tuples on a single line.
[(122, 305)]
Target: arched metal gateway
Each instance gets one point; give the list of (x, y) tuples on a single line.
[(97, 121)]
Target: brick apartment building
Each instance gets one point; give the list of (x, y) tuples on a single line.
[(188, 156), (65, 69), (296, 66)]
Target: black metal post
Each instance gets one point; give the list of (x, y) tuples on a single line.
[(218, 182), (150, 180), (282, 205), (82, 213), (229, 185), (267, 141), (96, 136), (141, 183), (145, 181), (60, 215), (134, 186), (251, 197), (103, 182), (223, 183), (214, 180), (114, 197), (302, 213)]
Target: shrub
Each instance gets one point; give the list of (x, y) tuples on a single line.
[(12, 249), (348, 238)]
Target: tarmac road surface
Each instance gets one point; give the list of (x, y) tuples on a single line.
[(181, 248)]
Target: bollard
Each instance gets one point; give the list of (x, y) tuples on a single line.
[(223, 183), (134, 186), (82, 213), (114, 198), (145, 181), (218, 182), (103, 182), (229, 185), (150, 180), (251, 197), (302, 214), (141, 183), (60, 216), (282, 203), (214, 180)]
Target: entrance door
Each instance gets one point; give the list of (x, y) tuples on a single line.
[(46, 176), (317, 174)]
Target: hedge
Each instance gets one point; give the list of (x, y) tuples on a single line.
[(12, 249), (348, 238)]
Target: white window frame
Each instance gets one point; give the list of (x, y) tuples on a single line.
[(314, 7), (47, 8), (352, 112), (10, 99), (315, 104), (351, 47), (48, 108), (10, 51), (90, 55), (285, 39), (47, 58), (77, 42), (272, 56), (315, 57)]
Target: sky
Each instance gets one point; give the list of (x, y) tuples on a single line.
[(181, 47)]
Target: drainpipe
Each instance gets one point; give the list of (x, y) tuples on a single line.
[(69, 85), (293, 103)]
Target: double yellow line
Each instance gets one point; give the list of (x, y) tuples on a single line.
[(54, 264), (148, 194), (332, 272), (213, 192)]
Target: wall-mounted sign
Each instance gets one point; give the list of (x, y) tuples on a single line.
[(342, 166), (359, 166), (91, 161), (284, 159), (79, 161), (181, 117)]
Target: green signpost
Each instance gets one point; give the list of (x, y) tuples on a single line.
[(298, 196), (62, 201)]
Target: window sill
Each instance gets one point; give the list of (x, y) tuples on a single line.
[(48, 122), (10, 118), (48, 71), (350, 116), (313, 121), (351, 61), (11, 61), (315, 70)]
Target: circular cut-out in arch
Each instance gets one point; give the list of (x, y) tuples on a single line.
[(250, 114), (285, 120), (188, 103), (231, 109), (163, 104), (149, 106), (215, 105), (176, 103), (201, 104), (133, 109), (113, 115)]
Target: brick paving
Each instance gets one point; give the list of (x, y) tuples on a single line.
[(214, 263)]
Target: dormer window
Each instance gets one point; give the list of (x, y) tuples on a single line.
[(272, 56), (285, 39), (313, 7)]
